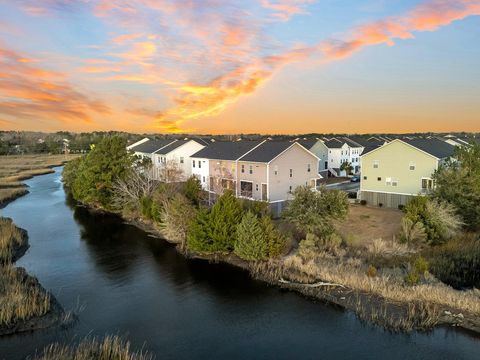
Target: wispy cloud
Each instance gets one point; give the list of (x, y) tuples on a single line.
[(33, 92), (284, 9)]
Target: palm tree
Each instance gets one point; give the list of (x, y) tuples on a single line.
[(347, 167)]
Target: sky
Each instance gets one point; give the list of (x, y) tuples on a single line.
[(249, 66)]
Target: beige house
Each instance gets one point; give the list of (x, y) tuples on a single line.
[(401, 169), (257, 170)]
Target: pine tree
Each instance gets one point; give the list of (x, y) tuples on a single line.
[(199, 235), (251, 242), (274, 239), (224, 217)]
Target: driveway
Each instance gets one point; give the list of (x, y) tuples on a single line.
[(345, 186)]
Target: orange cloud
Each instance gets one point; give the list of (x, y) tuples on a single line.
[(37, 93), (196, 101)]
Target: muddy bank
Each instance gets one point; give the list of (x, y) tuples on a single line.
[(27, 285), (55, 315)]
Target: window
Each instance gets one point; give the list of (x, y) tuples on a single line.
[(388, 181), (308, 168), (246, 189), (427, 185), (364, 178), (250, 169), (291, 172), (243, 168), (375, 164), (199, 164), (204, 179), (379, 179), (290, 188), (193, 163), (182, 160), (256, 187), (394, 182), (412, 165), (275, 169)]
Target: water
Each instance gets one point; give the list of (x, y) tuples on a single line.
[(136, 286)]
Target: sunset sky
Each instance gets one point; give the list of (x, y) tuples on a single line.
[(250, 66)]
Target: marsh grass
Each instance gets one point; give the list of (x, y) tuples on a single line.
[(388, 284), (21, 297), (15, 169), (11, 238), (110, 348)]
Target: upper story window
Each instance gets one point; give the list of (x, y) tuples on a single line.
[(182, 160), (291, 172), (243, 169), (193, 163), (412, 165), (250, 170), (308, 168), (199, 164), (376, 163), (275, 169)]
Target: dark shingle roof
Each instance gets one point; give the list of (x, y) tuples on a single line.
[(371, 147), (172, 146), (266, 152), (435, 147), (151, 146), (226, 150), (307, 143), (334, 144)]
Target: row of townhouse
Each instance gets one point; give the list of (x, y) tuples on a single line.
[(257, 170), (403, 168)]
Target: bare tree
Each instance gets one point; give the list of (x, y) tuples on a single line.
[(170, 172), (139, 183), (222, 181)]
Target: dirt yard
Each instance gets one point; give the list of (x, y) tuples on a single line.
[(365, 224)]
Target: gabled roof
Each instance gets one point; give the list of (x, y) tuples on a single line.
[(333, 144), (267, 151), (307, 143), (371, 147), (226, 150), (438, 148), (152, 146), (169, 148)]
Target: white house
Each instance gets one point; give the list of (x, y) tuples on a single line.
[(343, 150)]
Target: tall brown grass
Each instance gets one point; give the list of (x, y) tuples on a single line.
[(110, 348), (21, 298), (11, 239)]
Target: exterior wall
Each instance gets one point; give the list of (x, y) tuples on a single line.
[(258, 176), (182, 152), (297, 159), (394, 162), (201, 172), (334, 158), (321, 151), (386, 200), (221, 169)]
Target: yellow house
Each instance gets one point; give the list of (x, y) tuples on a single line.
[(401, 169)]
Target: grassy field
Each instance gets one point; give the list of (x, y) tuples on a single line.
[(15, 169)]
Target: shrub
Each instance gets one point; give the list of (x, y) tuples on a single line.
[(259, 208), (438, 219), (275, 240), (412, 231), (150, 209), (307, 248), (193, 190), (457, 263), (401, 207), (251, 243), (314, 211), (412, 278), (176, 217), (371, 271), (352, 195), (420, 265), (215, 230)]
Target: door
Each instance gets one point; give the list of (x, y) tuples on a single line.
[(264, 192)]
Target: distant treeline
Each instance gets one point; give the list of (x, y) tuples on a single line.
[(29, 142)]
